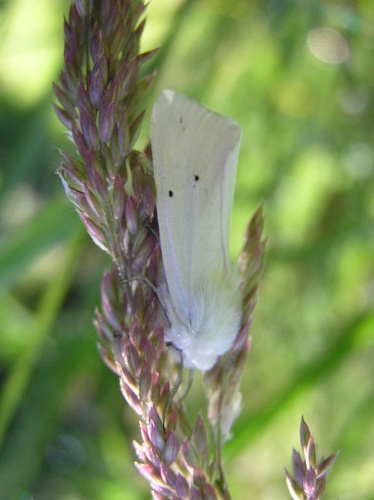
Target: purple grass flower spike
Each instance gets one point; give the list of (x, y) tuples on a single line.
[(309, 477), (101, 94)]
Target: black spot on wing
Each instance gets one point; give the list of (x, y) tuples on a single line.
[(170, 193), (195, 178), (181, 123)]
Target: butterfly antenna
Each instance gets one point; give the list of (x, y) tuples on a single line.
[(141, 278), (151, 285)]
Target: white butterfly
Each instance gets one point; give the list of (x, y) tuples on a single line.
[(195, 153)]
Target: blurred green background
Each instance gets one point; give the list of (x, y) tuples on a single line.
[(299, 78)]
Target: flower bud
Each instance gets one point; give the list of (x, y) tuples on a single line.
[(131, 398), (99, 80), (142, 251), (80, 5), (63, 116), (145, 382), (190, 454), (94, 231), (133, 360), (199, 436), (65, 101), (80, 142), (138, 181), (131, 216), (156, 436), (89, 130), (149, 195), (171, 448), (182, 487), (118, 196), (106, 120), (115, 149), (124, 135), (168, 475)]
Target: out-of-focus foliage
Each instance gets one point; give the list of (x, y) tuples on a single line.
[(299, 78)]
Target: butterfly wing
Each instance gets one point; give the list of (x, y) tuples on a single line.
[(195, 154)]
